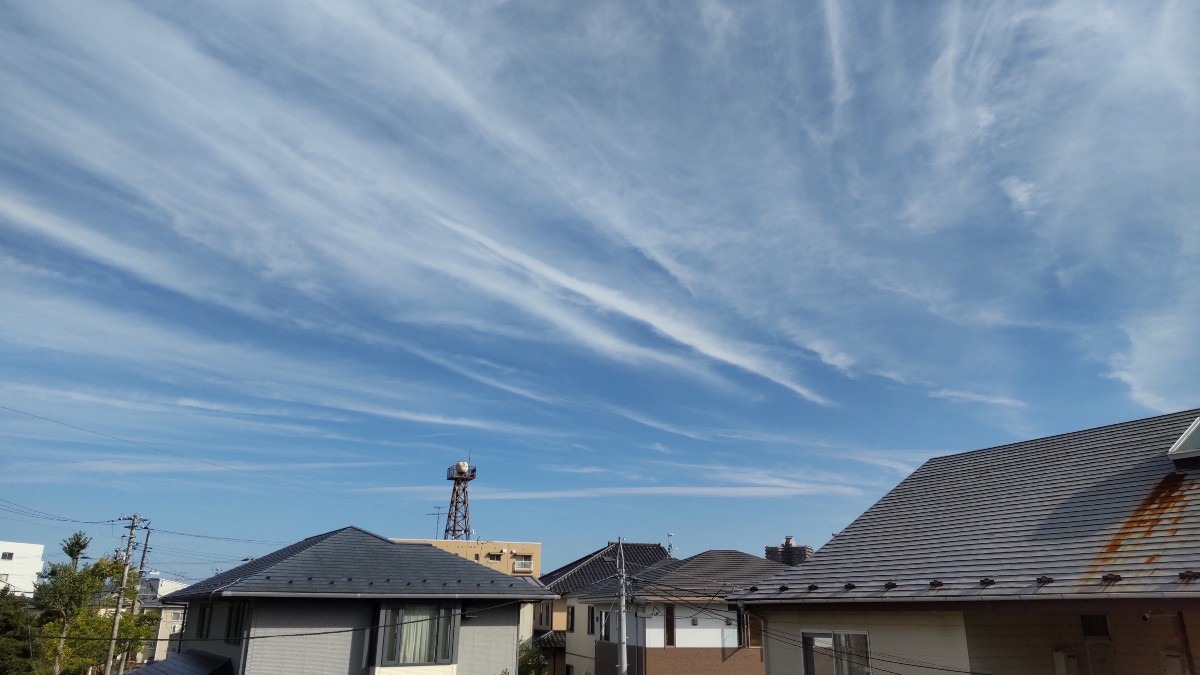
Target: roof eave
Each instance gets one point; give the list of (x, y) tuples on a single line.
[(1089, 597)]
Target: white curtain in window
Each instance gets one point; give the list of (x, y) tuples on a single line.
[(419, 632), (391, 636), (445, 643)]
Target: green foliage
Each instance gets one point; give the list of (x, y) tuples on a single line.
[(17, 624), (87, 643), (69, 597), (531, 660), (74, 546)]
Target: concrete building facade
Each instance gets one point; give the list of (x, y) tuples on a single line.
[(19, 566)]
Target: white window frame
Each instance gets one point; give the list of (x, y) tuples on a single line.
[(822, 632)]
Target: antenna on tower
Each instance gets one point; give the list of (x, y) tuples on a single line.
[(437, 517), (458, 518)]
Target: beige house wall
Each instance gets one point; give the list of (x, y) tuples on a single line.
[(935, 638), (501, 556), (1142, 641), (1151, 637), (581, 645)]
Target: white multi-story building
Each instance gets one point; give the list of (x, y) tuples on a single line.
[(19, 565)]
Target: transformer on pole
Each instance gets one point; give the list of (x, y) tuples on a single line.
[(458, 518)]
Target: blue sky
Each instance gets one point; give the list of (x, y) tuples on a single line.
[(726, 270)]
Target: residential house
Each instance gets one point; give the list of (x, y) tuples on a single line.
[(19, 566), (352, 602), (1077, 553), (151, 589), (518, 558), (678, 621), (568, 628)]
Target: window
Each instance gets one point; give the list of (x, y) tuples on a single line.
[(7, 555), (1094, 625), (750, 630), (669, 625), (605, 634), (200, 616), (571, 619), (235, 623), (522, 563), (836, 653), (414, 634), (591, 620), (495, 557)]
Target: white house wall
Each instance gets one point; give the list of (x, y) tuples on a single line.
[(22, 570), (710, 630), (936, 637)]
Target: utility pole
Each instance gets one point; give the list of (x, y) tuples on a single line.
[(145, 550), (622, 641), (112, 642)]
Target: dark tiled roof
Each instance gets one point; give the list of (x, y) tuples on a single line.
[(351, 562), (555, 639), (711, 574), (1098, 513), (190, 663), (600, 565)]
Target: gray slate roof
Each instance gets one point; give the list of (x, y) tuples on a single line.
[(711, 574), (600, 565), (190, 663), (351, 562), (1071, 508)]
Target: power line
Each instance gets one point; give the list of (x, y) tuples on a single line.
[(791, 639), (337, 631), (17, 509), (216, 538)]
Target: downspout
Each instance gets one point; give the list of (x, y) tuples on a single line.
[(1187, 645)]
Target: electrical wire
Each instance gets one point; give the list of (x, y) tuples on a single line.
[(18, 509), (337, 631), (797, 641), (216, 538)]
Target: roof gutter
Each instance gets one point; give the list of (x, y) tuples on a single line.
[(1091, 597), (368, 596)]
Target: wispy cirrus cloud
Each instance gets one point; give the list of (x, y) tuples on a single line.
[(595, 232)]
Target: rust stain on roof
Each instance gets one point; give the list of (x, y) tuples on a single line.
[(1165, 503)]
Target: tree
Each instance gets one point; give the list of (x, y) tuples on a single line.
[(87, 644), (17, 626), (64, 591), (531, 660), (74, 546)]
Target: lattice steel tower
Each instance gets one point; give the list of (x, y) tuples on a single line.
[(458, 518)]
